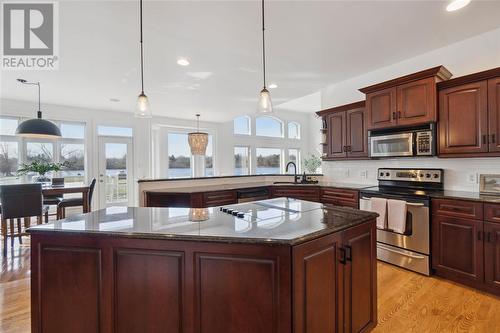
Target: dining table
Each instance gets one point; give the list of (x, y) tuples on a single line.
[(53, 190)]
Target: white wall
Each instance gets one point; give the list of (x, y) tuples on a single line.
[(472, 55)]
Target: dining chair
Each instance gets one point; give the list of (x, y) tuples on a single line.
[(74, 202), (53, 200), (20, 201)]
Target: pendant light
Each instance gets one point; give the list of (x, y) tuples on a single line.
[(38, 127), (142, 109), (198, 141), (265, 105)]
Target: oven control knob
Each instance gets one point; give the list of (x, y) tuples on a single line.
[(235, 213), (221, 209), (241, 215), (387, 174), (427, 175), (229, 211), (436, 175), (224, 210), (381, 174)]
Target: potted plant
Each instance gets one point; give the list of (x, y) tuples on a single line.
[(312, 163), (41, 168)]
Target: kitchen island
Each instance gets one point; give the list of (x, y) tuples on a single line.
[(279, 265)]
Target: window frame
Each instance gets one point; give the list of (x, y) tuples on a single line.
[(249, 157), (297, 125), (249, 123), (279, 121)]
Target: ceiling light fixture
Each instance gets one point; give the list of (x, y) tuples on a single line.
[(37, 127), (456, 5), (142, 110), (273, 86), (182, 62), (265, 105), (198, 141)]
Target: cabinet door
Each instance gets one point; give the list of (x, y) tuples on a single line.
[(494, 113), (336, 135), (463, 119), (457, 248), (356, 134), (492, 254), (317, 302), (417, 102), (360, 282), (381, 108)]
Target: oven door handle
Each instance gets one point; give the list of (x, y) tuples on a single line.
[(413, 204), (413, 256), (365, 198)]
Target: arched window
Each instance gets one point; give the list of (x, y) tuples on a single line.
[(241, 125), (268, 126), (293, 130)]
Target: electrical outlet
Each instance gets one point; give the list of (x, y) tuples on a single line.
[(472, 178)]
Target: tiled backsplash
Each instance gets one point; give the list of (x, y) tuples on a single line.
[(459, 173)]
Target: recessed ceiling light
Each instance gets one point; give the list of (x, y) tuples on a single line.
[(273, 86), (115, 100), (182, 62), (456, 5)]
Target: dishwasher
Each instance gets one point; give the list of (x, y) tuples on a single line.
[(252, 194)]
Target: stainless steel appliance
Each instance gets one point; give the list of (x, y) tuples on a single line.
[(414, 141), (410, 250)]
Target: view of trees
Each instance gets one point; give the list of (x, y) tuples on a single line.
[(8, 163), (114, 163), (179, 162), (270, 161)]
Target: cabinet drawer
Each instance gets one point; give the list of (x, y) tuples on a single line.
[(304, 193), (334, 195), (492, 212), (219, 198), (458, 208)]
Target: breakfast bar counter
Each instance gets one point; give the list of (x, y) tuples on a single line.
[(279, 265)]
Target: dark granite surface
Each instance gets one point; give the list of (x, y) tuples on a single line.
[(218, 177), (274, 221), (464, 195)]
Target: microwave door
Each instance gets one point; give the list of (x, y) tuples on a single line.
[(392, 145)]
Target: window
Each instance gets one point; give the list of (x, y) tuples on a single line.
[(293, 130), (9, 161), (179, 156), (73, 155), (72, 131), (268, 126), (268, 160), (39, 151), (294, 156), (114, 131), (242, 125), (241, 161), (209, 158), (8, 126)]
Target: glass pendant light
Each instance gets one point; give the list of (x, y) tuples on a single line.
[(265, 105), (142, 109), (37, 127), (198, 141)]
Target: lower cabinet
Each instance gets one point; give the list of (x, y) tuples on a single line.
[(307, 192), (458, 247), (467, 250), (339, 197), (345, 293), (492, 254)]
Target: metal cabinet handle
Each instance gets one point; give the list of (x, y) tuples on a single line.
[(485, 139), (479, 235), (399, 114), (394, 115), (348, 253), (342, 256), (488, 237), (493, 139)]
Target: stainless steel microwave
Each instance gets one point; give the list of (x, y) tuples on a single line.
[(417, 141)]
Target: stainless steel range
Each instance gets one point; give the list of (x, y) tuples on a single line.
[(408, 246)]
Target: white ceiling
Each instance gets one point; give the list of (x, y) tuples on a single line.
[(310, 44)]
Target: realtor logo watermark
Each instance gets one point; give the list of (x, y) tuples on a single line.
[(30, 38)]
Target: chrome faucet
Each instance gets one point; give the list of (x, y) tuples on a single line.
[(295, 177)]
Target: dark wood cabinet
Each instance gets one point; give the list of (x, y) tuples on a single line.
[(469, 115), (346, 135), (492, 254), (219, 198), (340, 297), (340, 197), (405, 101), (463, 119), (336, 135), (458, 247), (307, 192), (466, 242), (494, 114)]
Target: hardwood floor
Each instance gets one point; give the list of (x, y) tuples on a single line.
[(407, 302)]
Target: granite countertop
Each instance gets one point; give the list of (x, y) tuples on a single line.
[(237, 186), (275, 221), (464, 195)]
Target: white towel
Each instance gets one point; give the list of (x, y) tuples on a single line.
[(396, 213), (379, 206)]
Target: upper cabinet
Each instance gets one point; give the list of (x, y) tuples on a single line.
[(406, 101), (345, 132), (469, 115)]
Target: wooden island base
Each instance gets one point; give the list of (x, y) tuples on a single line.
[(118, 284)]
